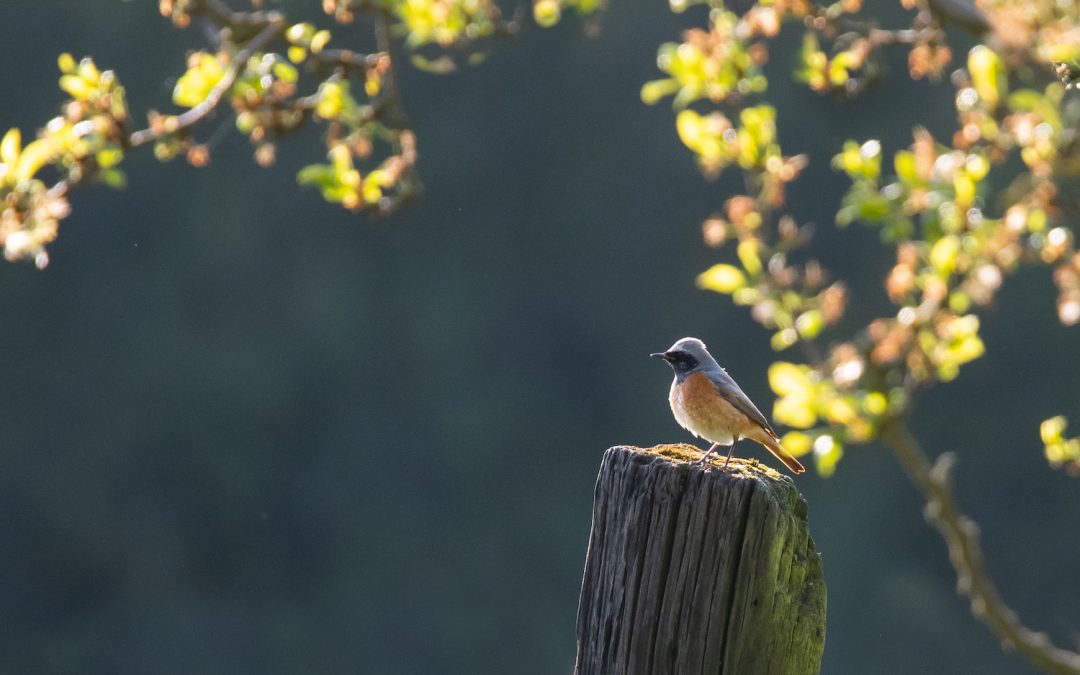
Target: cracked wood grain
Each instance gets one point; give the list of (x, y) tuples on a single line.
[(693, 571)]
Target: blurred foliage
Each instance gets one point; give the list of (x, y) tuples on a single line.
[(548, 13), (85, 140), (961, 216), (273, 76), (1060, 451)]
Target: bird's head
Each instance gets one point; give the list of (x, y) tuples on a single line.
[(686, 356)]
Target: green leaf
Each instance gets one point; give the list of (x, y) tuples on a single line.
[(786, 379), (809, 324), (285, 72), (296, 54), (906, 167), (114, 178), (316, 174), (300, 33), (319, 41), (943, 254), (76, 87), (195, 85), (796, 443), (749, 252), (547, 13), (722, 279), (783, 339), (1051, 430), (827, 453), (66, 62), (109, 157), (10, 147), (652, 92), (873, 207), (988, 75)]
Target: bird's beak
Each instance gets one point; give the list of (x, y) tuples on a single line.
[(660, 355)]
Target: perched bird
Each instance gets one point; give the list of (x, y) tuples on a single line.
[(707, 403)]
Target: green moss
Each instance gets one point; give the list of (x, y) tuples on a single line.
[(689, 454)]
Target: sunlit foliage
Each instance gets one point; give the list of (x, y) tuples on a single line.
[(1060, 451), (273, 76), (962, 213), (85, 140)]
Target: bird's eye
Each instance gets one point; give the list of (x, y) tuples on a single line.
[(684, 361)]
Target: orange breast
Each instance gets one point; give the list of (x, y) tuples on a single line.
[(702, 411)]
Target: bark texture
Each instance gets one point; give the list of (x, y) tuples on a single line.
[(694, 570)]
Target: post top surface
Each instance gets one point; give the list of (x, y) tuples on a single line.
[(684, 453)]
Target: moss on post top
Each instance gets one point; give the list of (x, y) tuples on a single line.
[(684, 453)]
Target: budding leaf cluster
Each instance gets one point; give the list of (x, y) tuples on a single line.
[(962, 214)]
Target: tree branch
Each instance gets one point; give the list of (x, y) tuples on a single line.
[(961, 535), (392, 94), (347, 58), (404, 141), (192, 117), (906, 36), (237, 22)]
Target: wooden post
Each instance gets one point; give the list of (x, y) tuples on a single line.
[(695, 570)]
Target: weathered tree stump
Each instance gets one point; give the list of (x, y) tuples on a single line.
[(694, 570)]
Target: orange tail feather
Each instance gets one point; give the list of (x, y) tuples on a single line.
[(772, 444)]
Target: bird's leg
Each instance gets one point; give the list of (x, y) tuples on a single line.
[(708, 452), (731, 449)]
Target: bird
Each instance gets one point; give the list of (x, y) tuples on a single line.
[(708, 403)]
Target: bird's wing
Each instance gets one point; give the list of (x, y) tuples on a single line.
[(735, 396)]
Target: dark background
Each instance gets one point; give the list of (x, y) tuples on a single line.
[(242, 430)]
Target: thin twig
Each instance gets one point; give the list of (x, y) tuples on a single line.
[(196, 114), (409, 185), (906, 36), (961, 535), (392, 94), (223, 15), (347, 58)]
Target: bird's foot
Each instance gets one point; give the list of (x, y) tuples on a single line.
[(704, 459)]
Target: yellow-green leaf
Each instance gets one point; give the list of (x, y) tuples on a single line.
[(722, 279), (809, 324), (827, 453), (841, 410), (66, 62), (296, 54), (796, 443), (35, 155), (987, 75), (195, 85), (787, 379), (76, 87), (1052, 429), (10, 147), (783, 339), (943, 254), (795, 411), (300, 33), (547, 13), (653, 91), (688, 124), (875, 403), (749, 252), (286, 72), (319, 40)]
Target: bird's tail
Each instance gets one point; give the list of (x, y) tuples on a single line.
[(772, 444)]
